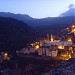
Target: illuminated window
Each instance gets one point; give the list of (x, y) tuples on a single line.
[(69, 56), (37, 47), (5, 55), (69, 40), (60, 47)]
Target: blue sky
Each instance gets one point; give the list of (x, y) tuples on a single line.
[(36, 8)]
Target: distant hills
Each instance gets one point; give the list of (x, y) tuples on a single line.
[(40, 22), (48, 24), (17, 30), (15, 34), (21, 17), (44, 25)]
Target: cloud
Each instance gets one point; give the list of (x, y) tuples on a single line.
[(70, 12)]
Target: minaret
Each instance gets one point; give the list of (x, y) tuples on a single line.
[(51, 38)]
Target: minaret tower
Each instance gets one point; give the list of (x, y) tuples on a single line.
[(51, 38)]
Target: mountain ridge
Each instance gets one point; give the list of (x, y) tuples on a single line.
[(15, 34), (32, 21), (44, 25)]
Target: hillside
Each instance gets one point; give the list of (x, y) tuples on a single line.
[(55, 26), (21, 17), (15, 34), (40, 22), (65, 68), (44, 25)]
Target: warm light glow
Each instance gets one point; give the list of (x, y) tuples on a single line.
[(37, 47), (32, 44), (66, 59), (69, 40), (51, 38), (69, 56), (72, 51), (65, 56), (70, 48), (60, 47), (73, 26), (6, 54), (73, 31)]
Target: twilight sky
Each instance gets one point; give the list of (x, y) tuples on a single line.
[(36, 8)]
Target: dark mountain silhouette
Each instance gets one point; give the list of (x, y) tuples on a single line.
[(21, 17), (44, 25), (15, 34), (55, 25), (40, 22)]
